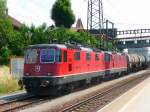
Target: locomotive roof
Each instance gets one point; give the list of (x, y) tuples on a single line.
[(109, 52), (61, 46), (47, 45), (86, 49)]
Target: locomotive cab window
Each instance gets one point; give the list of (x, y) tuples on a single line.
[(88, 56), (107, 57), (77, 56), (47, 56), (30, 56), (58, 56)]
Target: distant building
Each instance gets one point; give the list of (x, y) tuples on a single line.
[(16, 24), (111, 33), (79, 26)]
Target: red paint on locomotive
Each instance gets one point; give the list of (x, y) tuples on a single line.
[(56, 64), (68, 65)]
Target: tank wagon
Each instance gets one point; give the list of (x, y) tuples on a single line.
[(136, 62), (145, 51), (53, 68)]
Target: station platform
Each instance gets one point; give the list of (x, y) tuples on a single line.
[(136, 99)]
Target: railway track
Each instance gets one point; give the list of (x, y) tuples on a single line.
[(99, 100), (21, 103), (89, 104)]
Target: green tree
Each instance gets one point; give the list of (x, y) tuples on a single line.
[(62, 13), (2, 8), (39, 34), (6, 29)]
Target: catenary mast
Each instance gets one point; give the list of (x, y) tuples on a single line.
[(95, 15)]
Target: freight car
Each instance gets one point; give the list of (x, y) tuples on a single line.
[(145, 51), (136, 62), (55, 68)]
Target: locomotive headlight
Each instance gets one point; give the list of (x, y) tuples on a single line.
[(27, 74), (49, 74)]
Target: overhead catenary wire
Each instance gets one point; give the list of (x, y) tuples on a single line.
[(39, 5), (26, 17), (27, 9), (45, 17)]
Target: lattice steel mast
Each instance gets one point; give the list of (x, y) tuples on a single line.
[(95, 15)]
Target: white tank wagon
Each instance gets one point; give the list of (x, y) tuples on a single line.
[(145, 51), (136, 61), (133, 60), (142, 60)]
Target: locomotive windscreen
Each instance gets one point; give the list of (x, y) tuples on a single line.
[(48, 55), (30, 56)]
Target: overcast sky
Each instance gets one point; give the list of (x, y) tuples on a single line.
[(126, 14)]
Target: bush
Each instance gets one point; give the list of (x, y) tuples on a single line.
[(4, 61), (5, 52), (7, 82)]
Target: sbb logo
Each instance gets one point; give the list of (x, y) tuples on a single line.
[(37, 68)]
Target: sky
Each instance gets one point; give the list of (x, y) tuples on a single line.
[(126, 14)]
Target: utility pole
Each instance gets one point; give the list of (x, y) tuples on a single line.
[(95, 15)]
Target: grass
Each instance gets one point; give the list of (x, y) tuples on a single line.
[(8, 83)]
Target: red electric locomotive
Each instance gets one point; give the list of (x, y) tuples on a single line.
[(53, 68)]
